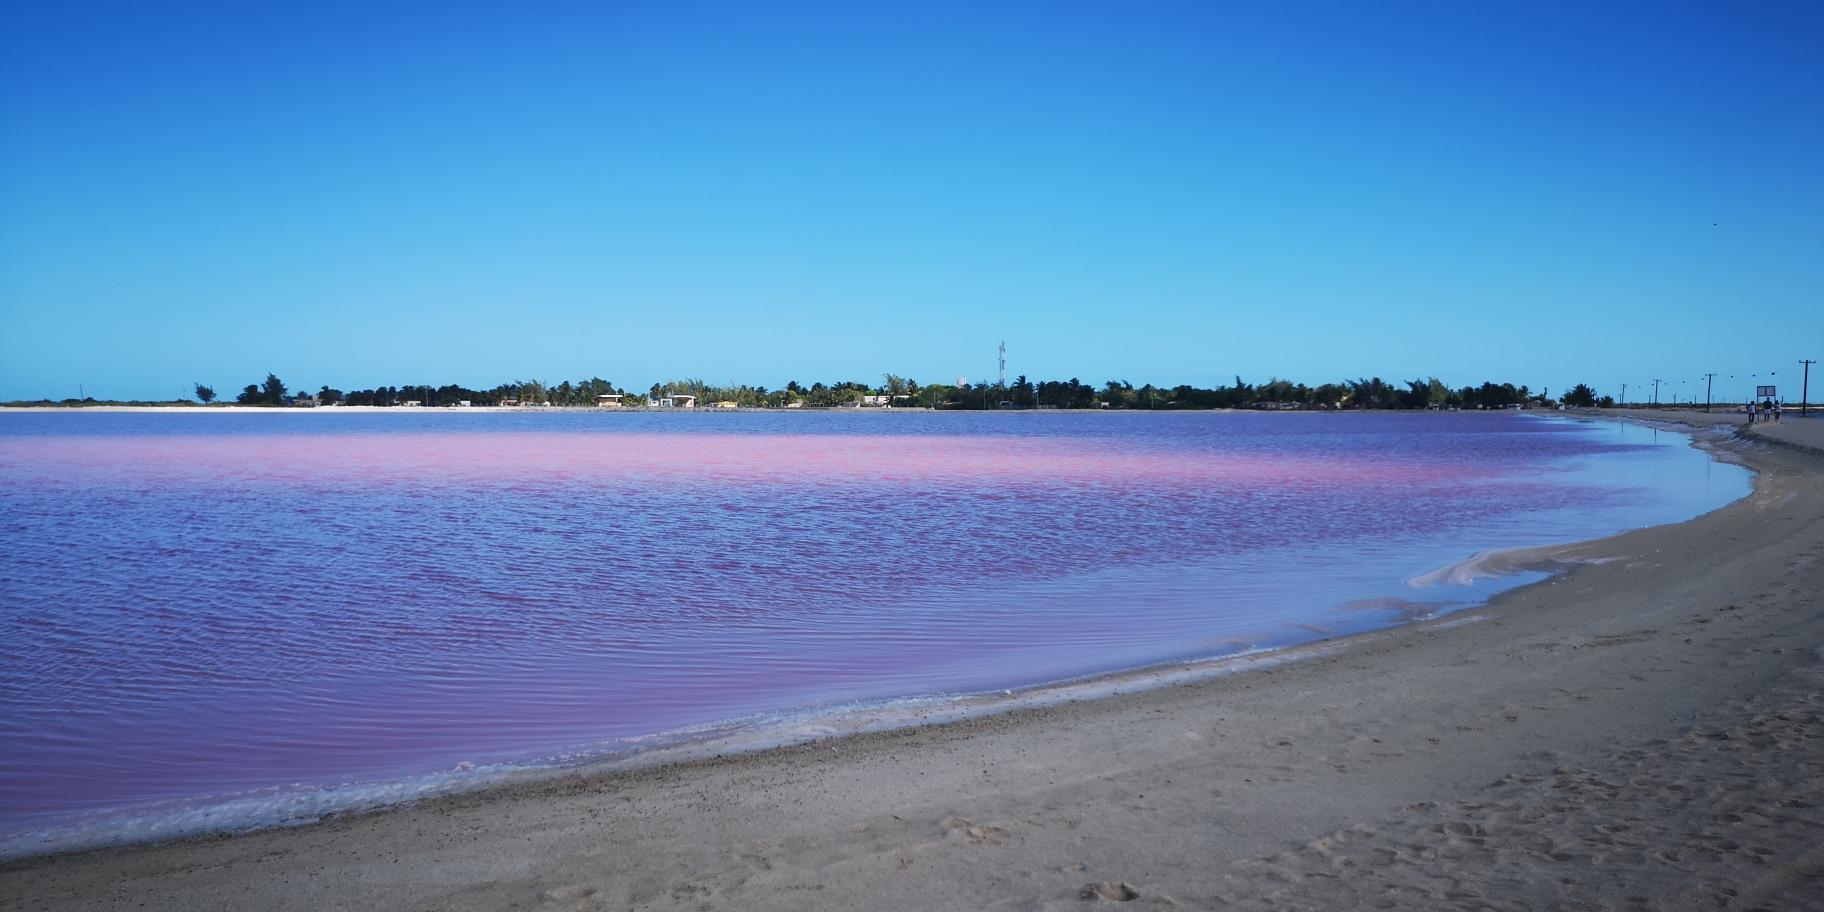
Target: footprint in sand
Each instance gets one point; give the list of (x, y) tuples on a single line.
[(1109, 890), (570, 898), (976, 835)]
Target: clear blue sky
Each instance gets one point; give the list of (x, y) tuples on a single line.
[(373, 194)]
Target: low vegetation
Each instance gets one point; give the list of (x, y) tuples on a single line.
[(1021, 393)]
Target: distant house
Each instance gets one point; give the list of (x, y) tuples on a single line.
[(877, 401), (464, 404), (411, 403), (728, 403), (608, 400), (795, 403), (510, 403), (676, 400)]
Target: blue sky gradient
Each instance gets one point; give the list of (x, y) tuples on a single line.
[(475, 193)]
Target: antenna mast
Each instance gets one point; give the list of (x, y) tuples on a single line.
[(1003, 364)]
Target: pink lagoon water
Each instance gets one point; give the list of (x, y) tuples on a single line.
[(199, 608)]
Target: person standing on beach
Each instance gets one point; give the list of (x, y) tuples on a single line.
[(1776, 411), (1751, 411)]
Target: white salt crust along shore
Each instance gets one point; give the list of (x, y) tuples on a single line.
[(1643, 732)]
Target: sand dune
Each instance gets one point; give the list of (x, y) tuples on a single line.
[(1641, 732)]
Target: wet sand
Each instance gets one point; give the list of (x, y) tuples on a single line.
[(1790, 431), (1643, 732)]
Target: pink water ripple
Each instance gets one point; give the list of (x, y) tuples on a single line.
[(189, 608)]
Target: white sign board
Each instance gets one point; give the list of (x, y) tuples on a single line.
[(1764, 391)]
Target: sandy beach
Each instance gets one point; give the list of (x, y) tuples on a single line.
[(1641, 731)]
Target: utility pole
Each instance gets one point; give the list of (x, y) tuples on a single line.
[(1656, 384), (1708, 379), (1624, 395), (1003, 365), (1805, 388)]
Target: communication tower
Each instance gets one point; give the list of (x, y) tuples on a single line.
[(1003, 364)]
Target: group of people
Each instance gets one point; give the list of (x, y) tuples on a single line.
[(1768, 410)]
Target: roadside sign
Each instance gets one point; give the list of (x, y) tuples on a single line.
[(1764, 391)]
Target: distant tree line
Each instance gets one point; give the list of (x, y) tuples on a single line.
[(273, 392), (1021, 393), (1370, 393), (1582, 396)]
